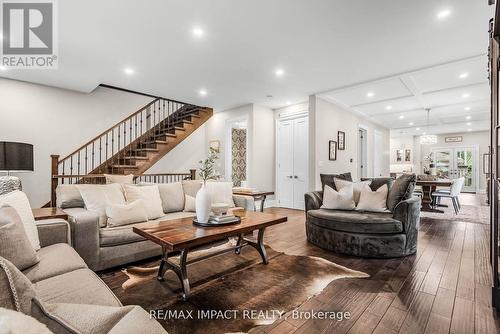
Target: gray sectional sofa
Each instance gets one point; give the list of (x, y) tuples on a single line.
[(107, 247), (61, 292), (367, 234)]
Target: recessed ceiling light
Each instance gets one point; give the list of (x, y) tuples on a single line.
[(463, 75), (128, 70), (424, 133), (410, 124), (388, 108), (467, 108), (443, 14), (401, 117), (418, 129), (465, 95), (288, 103), (198, 32), (370, 94), (203, 92), (469, 123), (467, 117), (469, 130), (279, 72)]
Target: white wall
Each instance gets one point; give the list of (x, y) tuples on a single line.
[(402, 142), (327, 118)]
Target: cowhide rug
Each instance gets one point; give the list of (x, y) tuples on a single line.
[(228, 282)]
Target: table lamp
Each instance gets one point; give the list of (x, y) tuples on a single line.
[(14, 157)]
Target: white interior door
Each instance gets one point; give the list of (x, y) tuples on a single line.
[(292, 171), (285, 164), (300, 161)]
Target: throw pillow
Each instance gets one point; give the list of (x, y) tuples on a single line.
[(172, 196), (123, 179), (374, 201), (378, 182), (329, 179), (17, 322), (68, 196), (401, 190), (358, 187), (16, 290), (98, 196), (149, 194), (191, 187), (18, 200), (221, 192), (190, 204), (338, 200), (119, 214), (14, 243)]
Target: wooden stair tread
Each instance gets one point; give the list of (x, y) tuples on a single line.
[(155, 142), (146, 149), (134, 157), (124, 166)]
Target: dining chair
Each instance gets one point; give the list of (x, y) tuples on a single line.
[(453, 193)]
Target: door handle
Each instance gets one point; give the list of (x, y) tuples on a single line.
[(289, 176), (295, 177)]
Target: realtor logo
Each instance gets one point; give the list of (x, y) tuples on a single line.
[(29, 34)]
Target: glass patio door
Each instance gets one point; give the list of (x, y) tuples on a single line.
[(454, 163)]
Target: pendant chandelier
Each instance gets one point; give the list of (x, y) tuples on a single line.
[(428, 139)]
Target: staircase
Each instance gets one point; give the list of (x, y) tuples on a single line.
[(134, 144)]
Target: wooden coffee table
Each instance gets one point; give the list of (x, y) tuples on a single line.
[(181, 236)]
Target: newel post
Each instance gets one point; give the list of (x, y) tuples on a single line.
[(54, 170), (193, 174)]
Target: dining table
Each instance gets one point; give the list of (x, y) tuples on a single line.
[(428, 187)]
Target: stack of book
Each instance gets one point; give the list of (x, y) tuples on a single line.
[(223, 219), (245, 190)]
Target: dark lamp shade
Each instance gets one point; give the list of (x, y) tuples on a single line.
[(16, 156)]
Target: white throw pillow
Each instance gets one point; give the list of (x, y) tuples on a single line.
[(123, 179), (358, 187), (338, 200), (150, 195), (124, 214), (374, 201), (98, 196), (172, 196), (221, 192), (190, 204), (19, 201)]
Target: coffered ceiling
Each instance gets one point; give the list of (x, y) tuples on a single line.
[(457, 94)]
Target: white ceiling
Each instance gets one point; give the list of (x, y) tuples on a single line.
[(399, 102), (320, 44)]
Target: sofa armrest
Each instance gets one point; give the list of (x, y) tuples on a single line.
[(314, 200), (53, 231), (84, 226), (408, 212), (246, 202)]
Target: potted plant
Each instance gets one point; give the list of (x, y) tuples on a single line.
[(432, 167), (203, 198)]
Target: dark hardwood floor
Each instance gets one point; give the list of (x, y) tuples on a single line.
[(444, 288)]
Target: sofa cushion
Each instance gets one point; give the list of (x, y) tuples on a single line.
[(172, 196), (191, 187), (68, 196), (329, 179), (377, 182), (401, 190), (19, 201), (122, 179), (355, 221), (55, 260), (81, 286), (149, 194), (16, 322), (14, 243), (121, 235), (126, 214)]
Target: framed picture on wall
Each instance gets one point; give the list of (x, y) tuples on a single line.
[(332, 150), (215, 144), (341, 140), (399, 155), (407, 155)]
